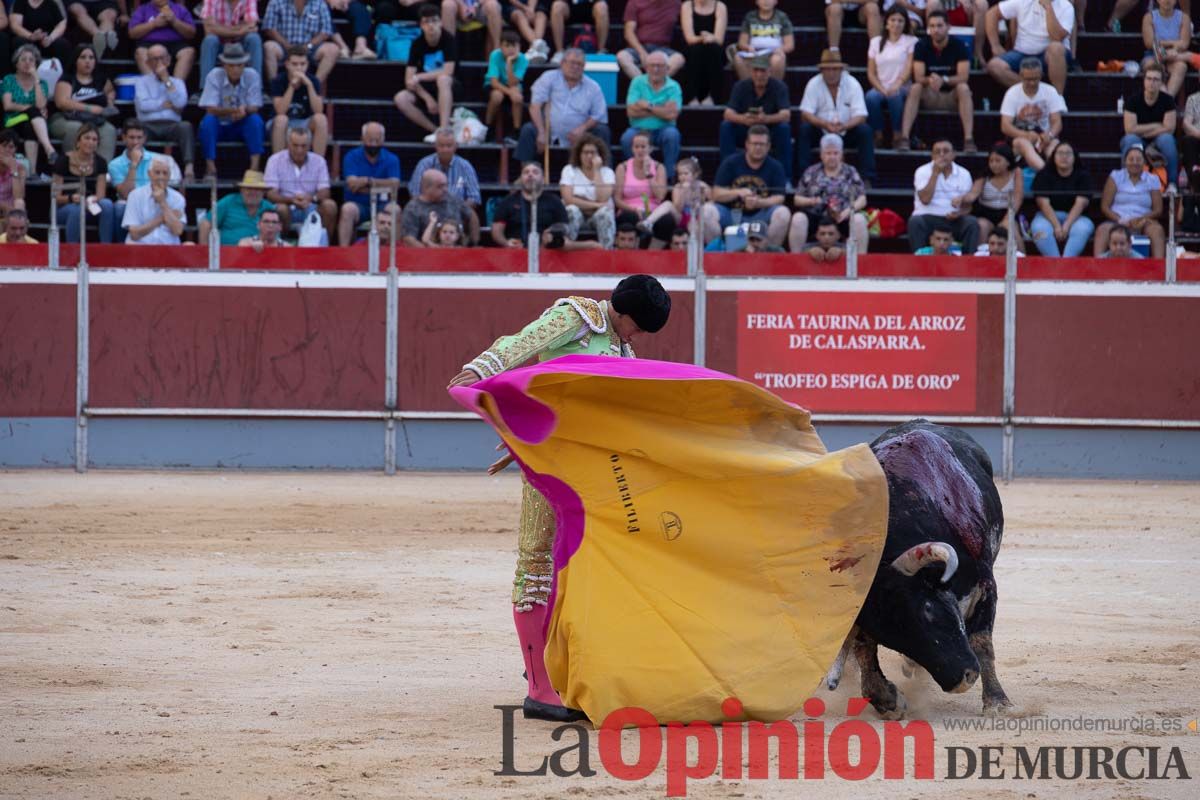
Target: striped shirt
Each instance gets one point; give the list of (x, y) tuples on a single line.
[(461, 177), (283, 175), (222, 12), (298, 28)]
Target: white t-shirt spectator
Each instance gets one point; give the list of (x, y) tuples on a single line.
[(1034, 110), (820, 103), (1032, 35), (140, 208), (890, 57), (582, 184), (958, 184)]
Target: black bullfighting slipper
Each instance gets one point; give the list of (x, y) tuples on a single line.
[(535, 709)]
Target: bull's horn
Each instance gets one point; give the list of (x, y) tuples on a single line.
[(918, 556)]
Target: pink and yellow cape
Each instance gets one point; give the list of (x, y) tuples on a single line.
[(708, 546)]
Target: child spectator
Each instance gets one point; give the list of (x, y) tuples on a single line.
[(506, 70)]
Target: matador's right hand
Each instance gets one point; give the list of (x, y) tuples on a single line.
[(464, 378)]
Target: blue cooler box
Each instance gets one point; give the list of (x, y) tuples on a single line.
[(602, 68), (125, 85), (966, 36), (1140, 244)]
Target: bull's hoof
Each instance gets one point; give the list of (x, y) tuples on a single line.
[(997, 705), (535, 709), (892, 705)]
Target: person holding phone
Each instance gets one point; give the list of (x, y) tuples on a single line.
[(758, 100)]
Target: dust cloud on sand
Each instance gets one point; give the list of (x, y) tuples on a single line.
[(330, 635)]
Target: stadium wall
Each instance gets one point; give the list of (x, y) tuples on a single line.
[(198, 369)]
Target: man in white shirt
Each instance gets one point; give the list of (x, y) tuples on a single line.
[(833, 102), (1031, 115), (154, 212), (1043, 31), (939, 188)]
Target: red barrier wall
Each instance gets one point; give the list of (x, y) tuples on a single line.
[(237, 347), (37, 350)]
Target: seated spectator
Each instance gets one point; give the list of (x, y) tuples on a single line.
[(1120, 243), (1150, 119), (14, 169), (703, 23), (383, 226), (750, 187), (131, 169), (366, 169), (228, 21), (267, 234), (429, 76), (515, 216), (688, 199), (16, 228), (641, 187), (1043, 28), (833, 103), (996, 244), (627, 237), (829, 242), (649, 28), (464, 183), (1191, 141), (756, 240), (1031, 115), (1132, 197), (297, 102), (759, 100), (866, 11), (653, 104), (25, 97), (302, 22), (83, 95), (940, 195), (968, 14), (238, 217), (231, 99), (1062, 191), (831, 190), (358, 13), (159, 99), (443, 233), (1167, 34), (154, 214), (82, 162), (529, 20), (941, 242), (680, 239), (941, 71), (576, 12), (505, 72), (162, 22), (432, 199), (576, 106), (767, 34), (40, 24), (889, 71), (98, 21), (1004, 185), (586, 186), (298, 183)]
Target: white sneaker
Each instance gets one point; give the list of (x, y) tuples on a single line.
[(431, 138), (557, 59), (534, 56), (541, 46)]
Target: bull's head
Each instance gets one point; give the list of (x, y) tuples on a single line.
[(912, 610)]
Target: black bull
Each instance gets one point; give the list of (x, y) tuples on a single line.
[(934, 595)]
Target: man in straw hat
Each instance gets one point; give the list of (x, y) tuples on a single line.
[(834, 103), (237, 215), (638, 305), (231, 98)]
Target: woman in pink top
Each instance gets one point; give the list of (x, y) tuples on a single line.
[(889, 69), (641, 188)]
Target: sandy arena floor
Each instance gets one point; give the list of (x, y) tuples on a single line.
[(330, 635)]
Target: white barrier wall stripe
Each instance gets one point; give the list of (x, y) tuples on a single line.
[(584, 283)]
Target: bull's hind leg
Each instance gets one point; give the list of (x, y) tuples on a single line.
[(883, 694), (834, 676), (979, 636)]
